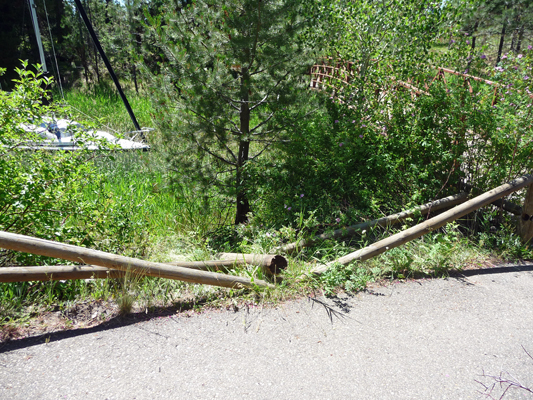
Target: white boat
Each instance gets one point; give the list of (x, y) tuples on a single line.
[(61, 134), (64, 134)]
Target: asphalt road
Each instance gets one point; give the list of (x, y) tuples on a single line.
[(429, 339)]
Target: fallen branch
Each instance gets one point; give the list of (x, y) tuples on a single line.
[(83, 255), (385, 221), (431, 224), (503, 383)]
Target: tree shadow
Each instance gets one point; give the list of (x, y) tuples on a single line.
[(526, 267), (117, 321)]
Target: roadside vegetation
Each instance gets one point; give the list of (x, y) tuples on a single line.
[(286, 164)]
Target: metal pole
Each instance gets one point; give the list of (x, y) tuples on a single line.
[(108, 65), (37, 34)]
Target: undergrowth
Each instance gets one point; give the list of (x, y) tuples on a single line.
[(134, 209)]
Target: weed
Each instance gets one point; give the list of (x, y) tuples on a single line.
[(351, 278), (125, 303)]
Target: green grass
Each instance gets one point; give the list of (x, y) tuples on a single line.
[(137, 179), (102, 104)]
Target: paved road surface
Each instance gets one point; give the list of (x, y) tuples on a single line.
[(429, 339)]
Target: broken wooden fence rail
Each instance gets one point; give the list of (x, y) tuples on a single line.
[(501, 203), (436, 205), (57, 273), (271, 264), (431, 224), (13, 241)]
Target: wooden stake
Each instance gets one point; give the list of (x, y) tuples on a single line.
[(385, 221), (13, 241), (526, 220), (431, 224)]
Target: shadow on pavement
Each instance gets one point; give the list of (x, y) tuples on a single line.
[(494, 270), (115, 322)]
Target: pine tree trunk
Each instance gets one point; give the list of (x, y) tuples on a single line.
[(513, 40), (520, 37), (95, 52), (82, 53), (85, 70), (134, 73), (502, 39), (96, 64), (473, 35), (243, 206)]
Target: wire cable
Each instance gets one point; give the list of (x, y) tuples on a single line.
[(54, 52)]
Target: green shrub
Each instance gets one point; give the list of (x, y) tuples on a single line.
[(43, 193), (384, 150)]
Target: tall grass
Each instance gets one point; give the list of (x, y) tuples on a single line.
[(139, 179), (101, 103), (145, 215)]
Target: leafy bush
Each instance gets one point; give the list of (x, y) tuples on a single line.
[(361, 155), (43, 193)]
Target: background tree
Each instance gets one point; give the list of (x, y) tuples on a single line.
[(229, 68), (17, 37), (501, 24), (392, 35)]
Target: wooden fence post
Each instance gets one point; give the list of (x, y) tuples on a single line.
[(424, 209), (526, 220)]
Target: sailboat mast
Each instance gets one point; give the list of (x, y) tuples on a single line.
[(37, 34)]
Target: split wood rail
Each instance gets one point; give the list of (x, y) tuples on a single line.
[(334, 74)]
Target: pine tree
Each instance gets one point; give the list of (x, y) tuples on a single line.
[(230, 85)]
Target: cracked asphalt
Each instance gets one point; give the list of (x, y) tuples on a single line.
[(425, 339)]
